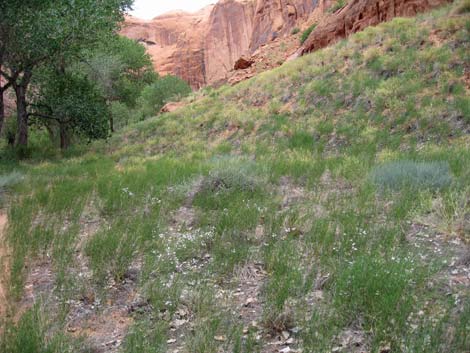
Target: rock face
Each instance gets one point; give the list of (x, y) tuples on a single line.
[(203, 47), (175, 42), (359, 14)]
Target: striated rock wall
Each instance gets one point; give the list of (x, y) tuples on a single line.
[(175, 41), (203, 47), (277, 18), (359, 14), (228, 37)]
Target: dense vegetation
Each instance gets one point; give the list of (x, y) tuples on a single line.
[(322, 206), (72, 75)]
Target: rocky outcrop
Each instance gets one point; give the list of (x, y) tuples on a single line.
[(359, 14), (243, 63), (203, 47)]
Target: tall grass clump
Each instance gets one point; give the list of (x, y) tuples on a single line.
[(416, 175), (306, 33), (32, 334), (378, 292)]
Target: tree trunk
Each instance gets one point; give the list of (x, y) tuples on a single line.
[(2, 111), (22, 116), (21, 109), (64, 141)]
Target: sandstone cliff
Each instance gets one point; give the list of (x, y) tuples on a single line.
[(203, 47), (175, 42)]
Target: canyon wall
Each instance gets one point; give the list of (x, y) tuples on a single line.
[(203, 47)]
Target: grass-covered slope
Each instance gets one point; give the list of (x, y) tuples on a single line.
[(322, 206)]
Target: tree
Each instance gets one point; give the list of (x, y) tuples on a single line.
[(121, 68), (37, 32), (70, 103), (165, 89)]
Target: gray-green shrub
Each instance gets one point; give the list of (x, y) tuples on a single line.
[(416, 175)]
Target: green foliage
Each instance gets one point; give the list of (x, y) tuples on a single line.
[(165, 89), (72, 102), (295, 30), (38, 33), (306, 33), (122, 114), (121, 68), (418, 175)]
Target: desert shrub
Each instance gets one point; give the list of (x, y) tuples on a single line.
[(231, 175), (295, 30), (417, 175), (306, 33)]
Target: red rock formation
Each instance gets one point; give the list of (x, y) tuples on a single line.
[(175, 42), (243, 63), (277, 18), (203, 47), (359, 14)]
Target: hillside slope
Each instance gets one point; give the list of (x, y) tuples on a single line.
[(319, 207)]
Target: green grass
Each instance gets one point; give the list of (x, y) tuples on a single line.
[(320, 172), (306, 33)]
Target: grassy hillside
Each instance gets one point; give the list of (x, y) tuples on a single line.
[(322, 206)]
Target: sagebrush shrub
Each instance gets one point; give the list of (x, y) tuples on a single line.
[(233, 175), (418, 175)]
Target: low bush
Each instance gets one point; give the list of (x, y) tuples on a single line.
[(416, 175), (230, 175)]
